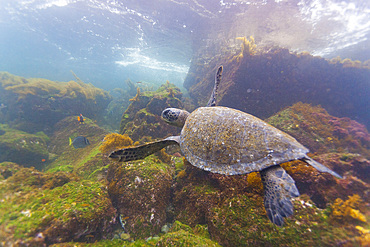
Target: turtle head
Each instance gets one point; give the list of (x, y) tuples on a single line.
[(175, 117)]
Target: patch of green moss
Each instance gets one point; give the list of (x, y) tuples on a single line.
[(177, 226), (140, 190), (7, 169), (165, 91), (321, 132), (44, 87), (241, 221), (82, 161), (23, 148), (75, 204), (184, 238), (145, 111)]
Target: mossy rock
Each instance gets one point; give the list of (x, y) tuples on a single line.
[(184, 238), (143, 116), (7, 169), (241, 221), (140, 191), (353, 167), (23, 148), (265, 82), (42, 208), (192, 202), (82, 161), (36, 104), (314, 127)]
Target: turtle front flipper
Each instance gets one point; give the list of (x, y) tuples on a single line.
[(212, 100), (142, 151), (279, 187)]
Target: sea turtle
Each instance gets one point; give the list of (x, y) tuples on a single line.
[(228, 141)]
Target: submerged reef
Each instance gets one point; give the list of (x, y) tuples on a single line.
[(86, 162), (143, 116), (37, 104), (269, 79), (163, 200), (321, 132), (44, 208), (23, 148), (141, 193)]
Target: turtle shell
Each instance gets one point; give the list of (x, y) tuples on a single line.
[(228, 141)]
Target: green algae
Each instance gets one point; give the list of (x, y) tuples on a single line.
[(142, 117), (140, 191), (180, 235), (83, 161), (321, 132), (22, 147), (184, 238), (241, 221), (30, 207)]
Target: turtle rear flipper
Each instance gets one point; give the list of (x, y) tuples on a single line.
[(140, 152), (279, 188), (212, 100)]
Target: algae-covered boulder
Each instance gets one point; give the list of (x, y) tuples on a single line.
[(143, 116), (354, 168), (262, 82), (241, 221), (44, 208), (179, 235), (23, 148), (88, 162), (341, 144), (37, 104), (193, 195), (320, 132), (141, 193)]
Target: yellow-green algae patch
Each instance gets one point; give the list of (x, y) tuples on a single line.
[(64, 209), (23, 148), (179, 235), (141, 191), (241, 221), (82, 161), (44, 87)]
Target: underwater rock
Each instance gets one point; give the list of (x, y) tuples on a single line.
[(262, 84), (355, 170), (37, 104), (87, 162), (45, 208), (321, 132), (193, 195), (143, 116), (23, 148), (240, 221), (141, 193), (184, 238), (7, 169), (232, 206)]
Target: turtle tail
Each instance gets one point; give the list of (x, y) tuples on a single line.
[(320, 167), (279, 188)]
